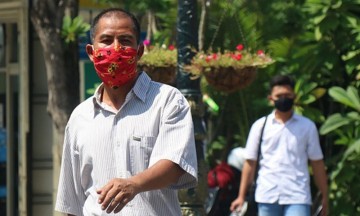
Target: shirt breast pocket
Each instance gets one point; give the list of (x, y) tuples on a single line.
[(297, 149), (140, 152)]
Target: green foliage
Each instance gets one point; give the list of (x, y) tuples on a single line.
[(237, 27), (334, 122), (331, 24), (158, 56), (166, 25), (307, 93), (345, 126), (317, 42), (344, 187), (314, 40), (350, 97), (281, 48), (203, 61), (165, 13), (154, 5), (213, 149), (73, 28)]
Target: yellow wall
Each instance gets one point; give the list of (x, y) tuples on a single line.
[(91, 4)]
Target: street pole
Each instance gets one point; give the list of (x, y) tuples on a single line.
[(191, 200)]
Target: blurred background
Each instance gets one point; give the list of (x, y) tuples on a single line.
[(45, 73)]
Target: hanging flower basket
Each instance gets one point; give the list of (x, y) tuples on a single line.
[(229, 71), (159, 63), (166, 74), (229, 79)]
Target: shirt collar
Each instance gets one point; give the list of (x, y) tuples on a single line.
[(293, 117), (140, 88), (97, 95)]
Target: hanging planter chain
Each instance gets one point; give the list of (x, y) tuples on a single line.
[(220, 22), (241, 32), (218, 27), (239, 68)]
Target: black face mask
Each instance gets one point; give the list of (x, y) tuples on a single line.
[(284, 104)]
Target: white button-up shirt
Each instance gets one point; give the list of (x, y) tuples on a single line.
[(100, 144), (285, 151)]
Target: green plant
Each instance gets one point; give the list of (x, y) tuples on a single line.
[(159, 56), (214, 151), (73, 28), (344, 187), (241, 58), (307, 93), (350, 120)]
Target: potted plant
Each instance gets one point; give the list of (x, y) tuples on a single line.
[(159, 62), (228, 71)]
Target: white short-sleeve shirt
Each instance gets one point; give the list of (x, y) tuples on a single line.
[(100, 144), (285, 151)]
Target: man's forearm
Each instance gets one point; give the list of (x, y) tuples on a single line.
[(320, 176), (160, 175), (247, 176)]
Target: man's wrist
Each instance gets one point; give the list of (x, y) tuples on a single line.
[(136, 184)]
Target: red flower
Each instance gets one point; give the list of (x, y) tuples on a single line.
[(237, 56), (240, 47), (260, 52), (171, 47), (214, 55), (208, 58), (211, 57)]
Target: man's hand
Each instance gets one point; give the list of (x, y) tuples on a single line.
[(324, 203), (237, 204), (116, 194), (320, 177), (247, 177)]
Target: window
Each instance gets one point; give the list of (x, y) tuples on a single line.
[(2, 47)]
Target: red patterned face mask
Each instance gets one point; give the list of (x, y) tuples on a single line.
[(115, 66)]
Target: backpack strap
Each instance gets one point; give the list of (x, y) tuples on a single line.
[(257, 167)]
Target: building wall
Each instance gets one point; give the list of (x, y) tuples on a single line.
[(14, 17), (41, 127), (33, 164)]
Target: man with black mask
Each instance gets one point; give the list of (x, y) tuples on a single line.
[(287, 143)]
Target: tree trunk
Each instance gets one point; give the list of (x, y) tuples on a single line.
[(62, 69), (202, 25), (148, 30), (151, 25)]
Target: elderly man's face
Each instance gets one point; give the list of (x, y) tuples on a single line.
[(115, 31)]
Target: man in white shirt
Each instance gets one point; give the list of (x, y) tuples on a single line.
[(289, 141), (130, 147)]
